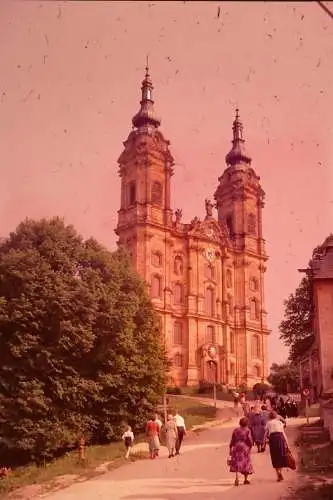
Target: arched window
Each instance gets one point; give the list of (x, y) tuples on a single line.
[(210, 272), (156, 286), (229, 278), (156, 193), (255, 347), (131, 193), (254, 285), (210, 335), (252, 224), (230, 224), (177, 333), (178, 293), (210, 301), (156, 259), (232, 342), (178, 360), (254, 309), (178, 265)]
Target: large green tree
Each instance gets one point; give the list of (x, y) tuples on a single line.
[(296, 329), (80, 346), (284, 378)]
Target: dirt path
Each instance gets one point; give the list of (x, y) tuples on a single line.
[(199, 473)]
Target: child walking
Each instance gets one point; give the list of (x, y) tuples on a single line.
[(128, 438)]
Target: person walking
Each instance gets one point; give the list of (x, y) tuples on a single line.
[(278, 444), (240, 451), (171, 434), (153, 437), (128, 438), (258, 429), (181, 431)]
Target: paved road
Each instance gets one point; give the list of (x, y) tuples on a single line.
[(200, 473)]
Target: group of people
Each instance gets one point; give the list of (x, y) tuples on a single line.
[(174, 431), (259, 427)]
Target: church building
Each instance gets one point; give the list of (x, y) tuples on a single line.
[(205, 277)]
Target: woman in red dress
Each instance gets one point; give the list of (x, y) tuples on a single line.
[(153, 437)]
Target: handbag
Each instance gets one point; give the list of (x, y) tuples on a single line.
[(229, 461), (291, 462)]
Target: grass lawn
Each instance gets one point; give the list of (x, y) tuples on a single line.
[(194, 414)]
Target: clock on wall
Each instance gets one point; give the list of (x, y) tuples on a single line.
[(209, 232)]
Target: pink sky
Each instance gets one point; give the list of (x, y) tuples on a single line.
[(70, 84)]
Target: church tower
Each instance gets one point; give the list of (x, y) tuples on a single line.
[(145, 168), (239, 202)]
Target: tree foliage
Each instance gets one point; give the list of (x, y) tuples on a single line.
[(284, 378), (296, 329), (79, 342)]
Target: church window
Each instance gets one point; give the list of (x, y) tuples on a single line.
[(156, 286), (254, 309), (251, 224), (230, 224), (210, 272), (232, 342), (232, 369), (254, 285), (257, 371), (157, 259), (210, 335), (178, 293), (178, 360), (229, 278), (255, 347), (210, 301), (156, 193), (132, 193), (178, 333), (178, 265)]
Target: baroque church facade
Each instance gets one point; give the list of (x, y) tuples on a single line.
[(205, 277)]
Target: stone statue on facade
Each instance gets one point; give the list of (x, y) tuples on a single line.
[(209, 208), (178, 215)]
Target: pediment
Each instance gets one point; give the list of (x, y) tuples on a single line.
[(209, 229)]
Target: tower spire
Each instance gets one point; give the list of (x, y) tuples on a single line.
[(146, 114), (238, 153)]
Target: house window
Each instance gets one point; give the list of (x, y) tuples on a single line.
[(229, 278), (156, 286), (255, 347), (178, 360), (178, 333), (131, 193), (232, 342), (178, 265), (178, 293), (156, 193), (210, 335), (254, 285), (254, 309), (251, 224), (210, 302), (156, 259)]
